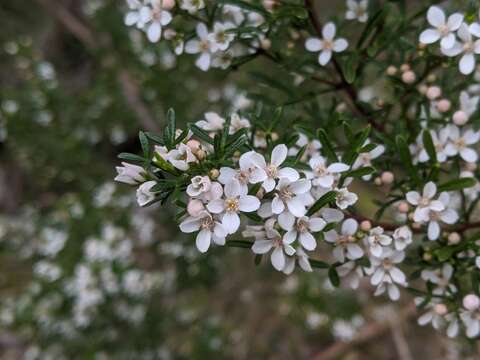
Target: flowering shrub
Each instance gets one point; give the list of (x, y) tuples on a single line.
[(281, 178)]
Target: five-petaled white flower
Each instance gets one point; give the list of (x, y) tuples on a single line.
[(377, 240), (323, 175), (293, 196), (302, 258), (202, 46), (212, 122), (181, 157), (424, 202), (357, 9), (402, 237), (192, 6), (447, 215), (210, 229), (155, 17), (442, 28), (468, 47), (233, 202), (220, 38), (460, 142), (345, 198), (327, 45), (302, 229), (345, 243)]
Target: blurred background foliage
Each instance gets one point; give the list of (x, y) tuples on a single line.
[(77, 86)]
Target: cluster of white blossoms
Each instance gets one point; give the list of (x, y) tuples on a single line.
[(457, 37), (214, 46)]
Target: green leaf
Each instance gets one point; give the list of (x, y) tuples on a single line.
[(320, 203), (201, 134), (333, 276), (170, 130), (145, 144), (155, 138), (254, 217), (429, 146), (444, 253), (327, 146), (131, 157), (258, 259), (457, 184), (318, 264), (406, 157), (350, 69), (239, 243), (372, 22), (358, 173)]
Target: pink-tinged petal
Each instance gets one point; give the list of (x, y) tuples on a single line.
[(467, 64), (429, 36), (278, 259), (262, 246), (226, 175), (324, 57), (290, 236), (314, 44), (316, 224), (448, 41), (338, 167), (248, 203), (469, 155), (286, 220), (154, 32), (436, 16), (216, 206), (279, 154), (340, 45), (190, 225), (268, 185), (429, 190), (231, 222), (232, 189), (354, 251), (277, 205), (203, 240), (203, 61), (454, 21), (349, 227), (433, 230), (377, 276), (308, 241), (296, 207), (289, 173), (329, 30), (300, 186), (202, 30)]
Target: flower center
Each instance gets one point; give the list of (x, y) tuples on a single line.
[(320, 171), (285, 193), (272, 171), (207, 223), (345, 239), (387, 264), (242, 176), (302, 226), (327, 44), (204, 46), (444, 30), (460, 143), (468, 47), (231, 205), (424, 201)]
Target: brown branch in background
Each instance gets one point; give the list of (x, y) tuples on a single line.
[(348, 88), (128, 84), (368, 333)]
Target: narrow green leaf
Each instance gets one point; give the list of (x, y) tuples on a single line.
[(333, 276), (131, 157), (239, 243), (358, 173), (320, 203), (457, 184), (201, 134), (318, 264), (145, 144), (429, 146), (327, 146)]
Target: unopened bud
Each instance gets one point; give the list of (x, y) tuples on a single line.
[(416, 225), (200, 154), (391, 70), (403, 207), (433, 92), (454, 238), (471, 302), (365, 225), (274, 136), (214, 174), (377, 181), (427, 256), (194, 145), (460, 118), (168, 4), (387, 177), (444, 105), (408, 77), (260, 193), (440, 309), (404, 67)]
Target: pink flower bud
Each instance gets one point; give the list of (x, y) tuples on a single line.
[(408, 77), (440, 309), (453, 238), (195, 207), (460, 118), (365, 225), (403, 207), (471, 302), (444, 105), (387, 177), (194, 145), (168, 4), (433, 92), (391, 70)]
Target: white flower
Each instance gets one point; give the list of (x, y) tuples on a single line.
[(460, 141), (144, 193), (468, 104), (202, 46), (155, 17), (384, 273), (199, 185), (273, 170), (376, 240), (425, 202), (133, 16), (468, 47), (442, 29), (192, 6), (312, 147), (249, 171), (212, 122), (327, 44), (471, 319), (302, 229), (365, 158), (324, 175), (302, 258), (181, 157), (402, 237), (237, 123), (345, 198), (233, 203), (345, 242), (448, 216), (357, 9), (442, 278), (271, 238), (209, 230), (130, 174), (293, 196), (435, 314), (220, 38)]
